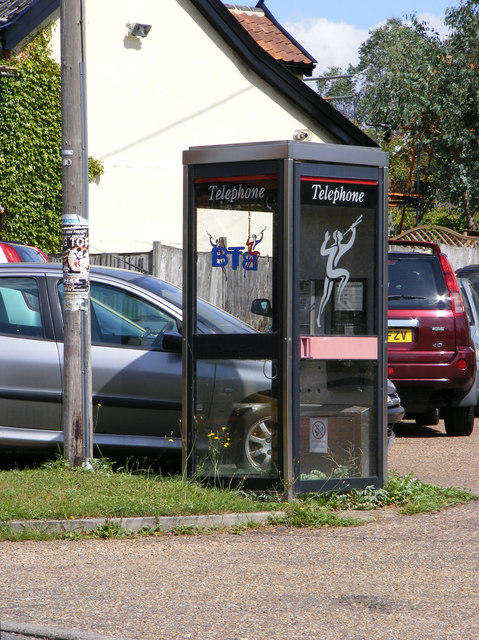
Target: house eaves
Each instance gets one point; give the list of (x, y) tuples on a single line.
[(272, 72), (21, 19)]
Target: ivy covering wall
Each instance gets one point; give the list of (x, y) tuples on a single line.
[(30, 143)]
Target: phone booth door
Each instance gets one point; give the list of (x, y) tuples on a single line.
[(339, 318), (232, 355)]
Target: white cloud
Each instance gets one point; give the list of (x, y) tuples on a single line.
[(336, 44), (331, 43)]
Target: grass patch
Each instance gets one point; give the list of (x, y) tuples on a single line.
[(56, 491)]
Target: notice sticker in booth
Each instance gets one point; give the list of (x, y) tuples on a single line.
[(318, 435)]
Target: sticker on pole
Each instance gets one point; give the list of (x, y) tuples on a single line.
[(76, 259), (318, 435)]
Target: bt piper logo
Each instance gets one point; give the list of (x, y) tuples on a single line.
[(333, 250), (221, 256)]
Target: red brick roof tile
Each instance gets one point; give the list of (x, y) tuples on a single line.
[(269, 36)]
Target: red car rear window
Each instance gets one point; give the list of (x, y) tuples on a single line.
[(416, 282)]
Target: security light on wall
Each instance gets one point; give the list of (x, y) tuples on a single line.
[(138, 29), (302, 135)]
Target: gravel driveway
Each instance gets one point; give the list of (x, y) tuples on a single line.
[(402, 578), (436, 458)]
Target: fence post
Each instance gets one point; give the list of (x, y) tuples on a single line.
[(156, 257)]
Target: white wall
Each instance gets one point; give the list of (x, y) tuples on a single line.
[(151, 98), (460, 256)]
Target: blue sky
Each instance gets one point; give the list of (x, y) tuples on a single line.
[(332, 31), (362, 15)]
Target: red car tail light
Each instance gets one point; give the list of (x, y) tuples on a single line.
[(453, 287)]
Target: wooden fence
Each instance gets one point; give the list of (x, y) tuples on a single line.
[(230, 290)]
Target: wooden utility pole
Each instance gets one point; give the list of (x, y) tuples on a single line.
[(77, 407)]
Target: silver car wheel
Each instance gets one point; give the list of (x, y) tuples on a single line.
[(259, 445)]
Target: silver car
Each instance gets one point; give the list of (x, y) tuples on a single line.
[(471, 302), (136, 364)]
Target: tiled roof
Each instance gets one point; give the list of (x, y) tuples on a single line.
[(271, 37), (9, 9)]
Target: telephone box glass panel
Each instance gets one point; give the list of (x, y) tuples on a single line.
[(236, 217), (338, 328), (235, 431)]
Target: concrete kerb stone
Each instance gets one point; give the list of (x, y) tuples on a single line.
[(22, 630), (163, 523), (170, 523)]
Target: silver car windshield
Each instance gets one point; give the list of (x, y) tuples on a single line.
[(210, 318)]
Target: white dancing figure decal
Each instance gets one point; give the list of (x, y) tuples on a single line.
[(334, 273)]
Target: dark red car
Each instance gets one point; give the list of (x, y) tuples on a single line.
[(19, 252), (431, 356)]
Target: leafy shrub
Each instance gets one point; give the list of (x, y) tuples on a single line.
[(30, 143)]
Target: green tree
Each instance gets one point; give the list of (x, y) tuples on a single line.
[(384, 60), (337, 86), (425, 90), (30, 143), (455, 139)]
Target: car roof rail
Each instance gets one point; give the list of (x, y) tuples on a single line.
[(433, 246)]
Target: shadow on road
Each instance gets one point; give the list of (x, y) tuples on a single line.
[(162, 464), (412, 430)]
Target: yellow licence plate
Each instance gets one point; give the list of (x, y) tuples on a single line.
[(400, 335)]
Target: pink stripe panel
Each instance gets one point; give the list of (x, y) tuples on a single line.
[(339, 348)]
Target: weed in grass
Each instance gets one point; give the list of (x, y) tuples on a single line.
[(58, 462), (340, 471), (187, 530), (341, 464), (363, 499), (413, 496), (8, 533), (242, 527), (111, 530), (407, 493), (79, 534), (310, 515)]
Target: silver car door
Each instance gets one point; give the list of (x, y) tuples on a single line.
[(136, 384), (30, 381)]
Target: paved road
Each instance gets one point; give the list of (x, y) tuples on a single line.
[(436, 458), (402, 578)]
